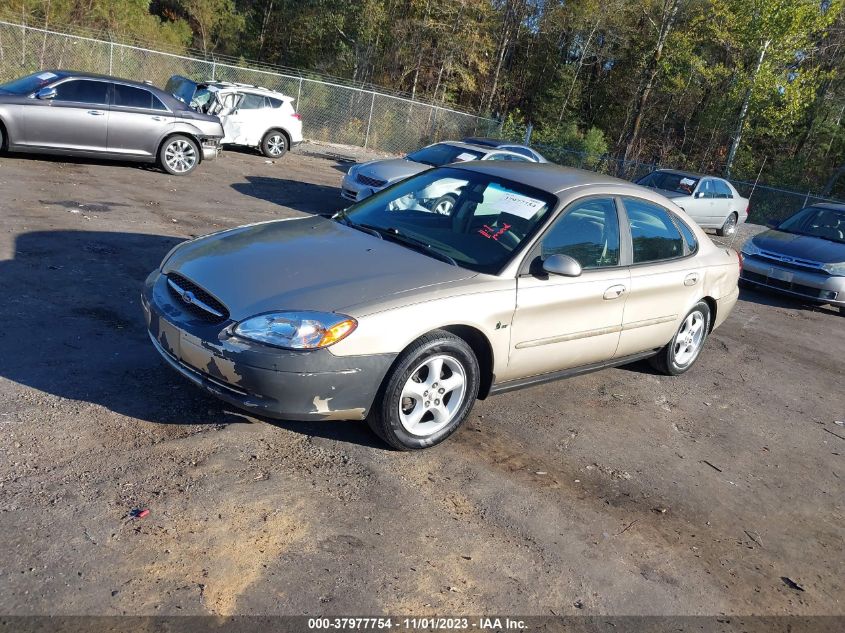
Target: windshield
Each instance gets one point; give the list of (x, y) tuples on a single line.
[(828, 224), (476, 220), (30, 83), (443, 154), (668, 181)]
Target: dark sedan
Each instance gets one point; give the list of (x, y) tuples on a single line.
[(803, 256)]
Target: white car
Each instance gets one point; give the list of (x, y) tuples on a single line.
[(364, 179), (712, 202), (251, 116)]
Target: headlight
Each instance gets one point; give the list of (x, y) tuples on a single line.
[(354, 169), (750, 248), (838, 270), (297, 330)]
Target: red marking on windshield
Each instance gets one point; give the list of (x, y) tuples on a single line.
[(493, 234)]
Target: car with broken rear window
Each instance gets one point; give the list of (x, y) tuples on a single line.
[(252, 116), (396, 314), (83, 114), (713, 203)]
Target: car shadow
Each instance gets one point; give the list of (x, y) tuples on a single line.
[(293, 194), (73, 328), (773, 299), (85, 160)]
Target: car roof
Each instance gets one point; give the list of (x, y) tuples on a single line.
[(688, 174), (168, 98), (833, 206), (487, 142), (247, 88), (487, 149), (544, 176)]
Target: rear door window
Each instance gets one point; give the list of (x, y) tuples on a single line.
[(722, 189), (133, 97), (653, 233), (251, 102), (83, 91)]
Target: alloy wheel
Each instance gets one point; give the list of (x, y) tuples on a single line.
[(432, 395), (689, 338), (276, 145), (180, 156)]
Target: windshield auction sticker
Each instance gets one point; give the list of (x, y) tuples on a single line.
[(506, 201)]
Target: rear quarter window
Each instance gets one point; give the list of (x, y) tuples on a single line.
[(653, 233)]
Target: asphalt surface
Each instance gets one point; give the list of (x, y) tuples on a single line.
[(619, 492)]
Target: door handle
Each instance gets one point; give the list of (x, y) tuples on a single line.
[(157, 118), (614, 292), (96, 112), (691, 279)]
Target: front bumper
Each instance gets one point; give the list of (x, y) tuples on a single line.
[(816, 287), (351, 189), (211, 148), (283, 384)]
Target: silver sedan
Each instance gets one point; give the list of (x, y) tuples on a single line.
[(75, 114)]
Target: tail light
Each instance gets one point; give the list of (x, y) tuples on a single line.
[(739, 259), (747, 207), (298, 117)]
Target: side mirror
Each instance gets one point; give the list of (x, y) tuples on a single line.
[(772, 223), (46, 93), (699, 194), (563, 265)]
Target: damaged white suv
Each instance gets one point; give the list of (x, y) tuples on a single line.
[(251, 116)]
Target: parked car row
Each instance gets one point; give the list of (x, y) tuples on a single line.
[(83, 114)]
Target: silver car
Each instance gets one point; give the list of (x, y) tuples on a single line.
[(402, 316), (364, 179), (712, 202), (803, 256), (79, 114)]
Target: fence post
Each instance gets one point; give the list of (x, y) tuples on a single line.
[(528, 130), (111, 55), (369, 120), (213, 69), (434, 126), (23, 46), (299, 94)]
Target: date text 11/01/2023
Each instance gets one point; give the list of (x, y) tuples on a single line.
[(424, 623)]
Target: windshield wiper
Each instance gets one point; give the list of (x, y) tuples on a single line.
[(393, 234), (343, 217)]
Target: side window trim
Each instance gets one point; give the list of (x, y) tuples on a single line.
[(68, 80), (625, 247), (631, 264)]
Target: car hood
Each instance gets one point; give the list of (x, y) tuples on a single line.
[(800, 246), (393, 169), (304, 264)]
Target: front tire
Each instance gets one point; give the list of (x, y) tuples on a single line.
[(682, 351), (444, 204), (428, 393), (729, 227), (274, 144), (179, 155)]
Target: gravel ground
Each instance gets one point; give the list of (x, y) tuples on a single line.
[(619, 492)]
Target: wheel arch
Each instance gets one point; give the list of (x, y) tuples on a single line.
[(712, 304), (4, 135), (483, 351), (173, 133)]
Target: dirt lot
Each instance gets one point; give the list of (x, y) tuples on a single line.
[(621, 492)]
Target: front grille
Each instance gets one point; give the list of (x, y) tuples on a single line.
[(370, 182), (789, 286), (195, 300), (794, 263)]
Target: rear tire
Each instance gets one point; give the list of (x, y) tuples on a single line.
[(683, 350), (179, 155), (842, 311), (417, 408), (729, 227), (274, 144)]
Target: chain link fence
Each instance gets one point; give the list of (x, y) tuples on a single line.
[(765, 202), (331, 112)]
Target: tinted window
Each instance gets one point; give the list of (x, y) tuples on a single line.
[(821, 222), (274, 103), (589, 233), (722, 189), (251, 102), (30, 83), (506, 157), (670, 181), (706, 189), (654, 235), (131, 97), (83, 91), (442, 154), (689, 236)]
